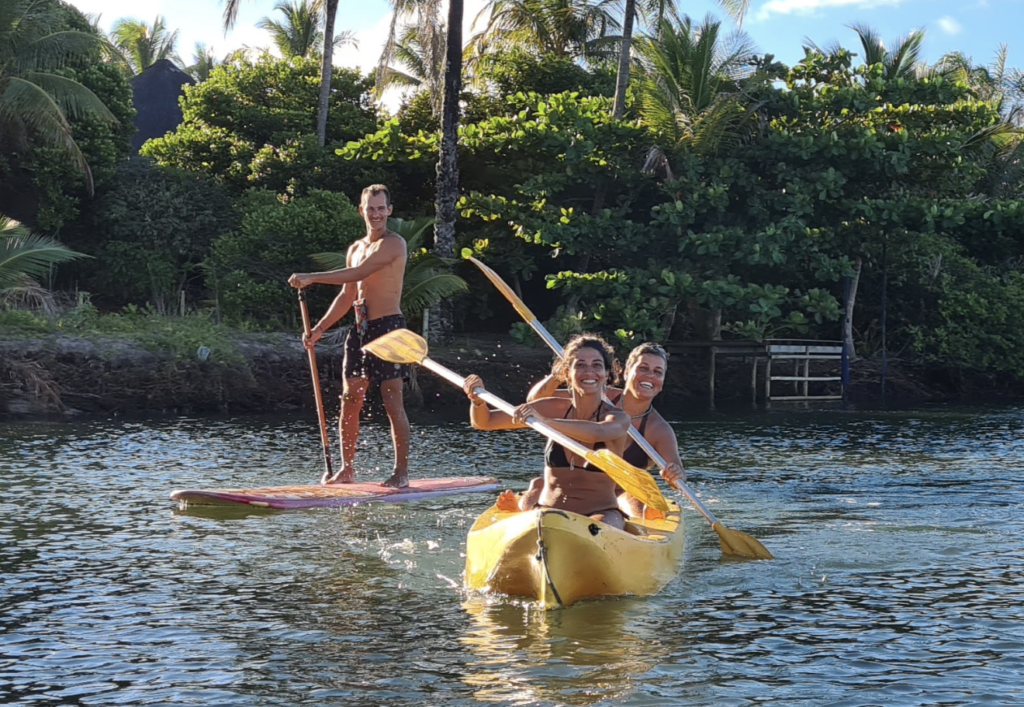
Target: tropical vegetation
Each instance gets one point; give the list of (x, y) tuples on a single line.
[(657, 180)]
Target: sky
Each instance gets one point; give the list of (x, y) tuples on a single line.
[(779, 27)]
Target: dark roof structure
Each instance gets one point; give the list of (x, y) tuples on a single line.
[(155, 93)]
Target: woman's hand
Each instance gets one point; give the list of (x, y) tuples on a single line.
[(472, 382), (524, 411), (673, 473)]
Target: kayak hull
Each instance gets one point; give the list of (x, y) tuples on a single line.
[(556, 557)]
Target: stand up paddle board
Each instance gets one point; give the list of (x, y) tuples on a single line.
[(286, 498)]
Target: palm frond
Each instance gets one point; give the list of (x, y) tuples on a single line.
[(422, 295), (29, 254)]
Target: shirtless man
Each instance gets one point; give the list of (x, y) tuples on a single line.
[(371, 285)]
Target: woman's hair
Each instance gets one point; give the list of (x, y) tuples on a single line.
[(587, 341), (648, 347)]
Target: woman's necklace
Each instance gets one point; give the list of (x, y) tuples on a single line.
[(643, 414)]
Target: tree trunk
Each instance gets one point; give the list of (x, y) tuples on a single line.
[(447, 161), (622, 80), (848, 318), (326, 68)]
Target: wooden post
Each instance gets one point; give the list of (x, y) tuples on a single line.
[(753, 381), (768, 380), (711, 378), (807, 369)]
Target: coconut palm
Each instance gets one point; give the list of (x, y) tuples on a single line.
[(427, 280), (27, 255), (902, 61), (691, 79), (564, 28), (142, 45), (419, 63), (992, 82), (203, 62), (655, 12), (330, 12), (35, 101), (299, 33)]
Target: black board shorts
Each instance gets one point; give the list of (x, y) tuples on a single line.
[(359, 364)]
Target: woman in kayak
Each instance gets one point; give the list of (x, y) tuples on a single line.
[(569, 481), (645, 377)]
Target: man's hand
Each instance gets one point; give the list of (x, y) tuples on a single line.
[(314, 336), (301, 280)]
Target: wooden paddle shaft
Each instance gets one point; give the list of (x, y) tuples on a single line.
[(324, 437)]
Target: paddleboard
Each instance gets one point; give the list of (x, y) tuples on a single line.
[(287, 498)]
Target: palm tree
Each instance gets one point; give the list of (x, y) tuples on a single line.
[(25, 255), (330, 12), (422, 59), (564, 28), (143, 45), (902, 61), (427, 280), (203, 62), (34, 100), (691, 83), (659, 10), (993, 82)]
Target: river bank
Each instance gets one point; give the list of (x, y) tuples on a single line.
[(70, 376)]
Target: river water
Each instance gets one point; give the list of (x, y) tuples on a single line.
[(899, 577)]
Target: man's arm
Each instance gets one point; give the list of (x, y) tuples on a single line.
[(391, 248)]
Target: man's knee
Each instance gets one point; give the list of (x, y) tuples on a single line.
[(353, 392), (391, 394)]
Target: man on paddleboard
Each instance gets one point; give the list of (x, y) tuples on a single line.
[(371, 285)]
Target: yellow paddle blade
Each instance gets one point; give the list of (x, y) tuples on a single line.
[(636, 482), (509, 293), (734, 542), (399, 346)]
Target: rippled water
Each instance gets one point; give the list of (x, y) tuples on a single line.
[(898, 578)]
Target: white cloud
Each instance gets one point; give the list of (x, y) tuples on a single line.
[(806, 7), (949, 25)]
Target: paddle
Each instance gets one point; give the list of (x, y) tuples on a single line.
[(324, 437), (733, 542), (404, 346)]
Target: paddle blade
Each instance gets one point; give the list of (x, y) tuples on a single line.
[(636, 482), (734, 542), (399, 346), (509, 293)]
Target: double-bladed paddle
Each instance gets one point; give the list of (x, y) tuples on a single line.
[(733, 542), (324, 437), (404, 346)]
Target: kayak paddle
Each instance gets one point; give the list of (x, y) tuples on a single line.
[(404, 346), (324, 437), (733, 542)]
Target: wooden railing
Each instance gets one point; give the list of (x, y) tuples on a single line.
[(801, 353)]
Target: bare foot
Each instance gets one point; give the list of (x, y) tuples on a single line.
[(342, 476), (507, 501), (398, 480)]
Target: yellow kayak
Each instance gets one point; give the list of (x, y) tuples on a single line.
[(556, 558)]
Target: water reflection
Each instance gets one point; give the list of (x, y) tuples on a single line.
[(580, 655)]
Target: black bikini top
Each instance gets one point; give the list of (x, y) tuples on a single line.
[(634, 454), (554, 453)]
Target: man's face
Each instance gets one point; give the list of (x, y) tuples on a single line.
[(375, 211)]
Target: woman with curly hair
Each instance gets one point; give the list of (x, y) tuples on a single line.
[(644, 379), (569, 482)]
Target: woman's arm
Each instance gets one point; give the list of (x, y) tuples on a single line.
[(546, 387), (614, 425), (663, 438), (482, 417)]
